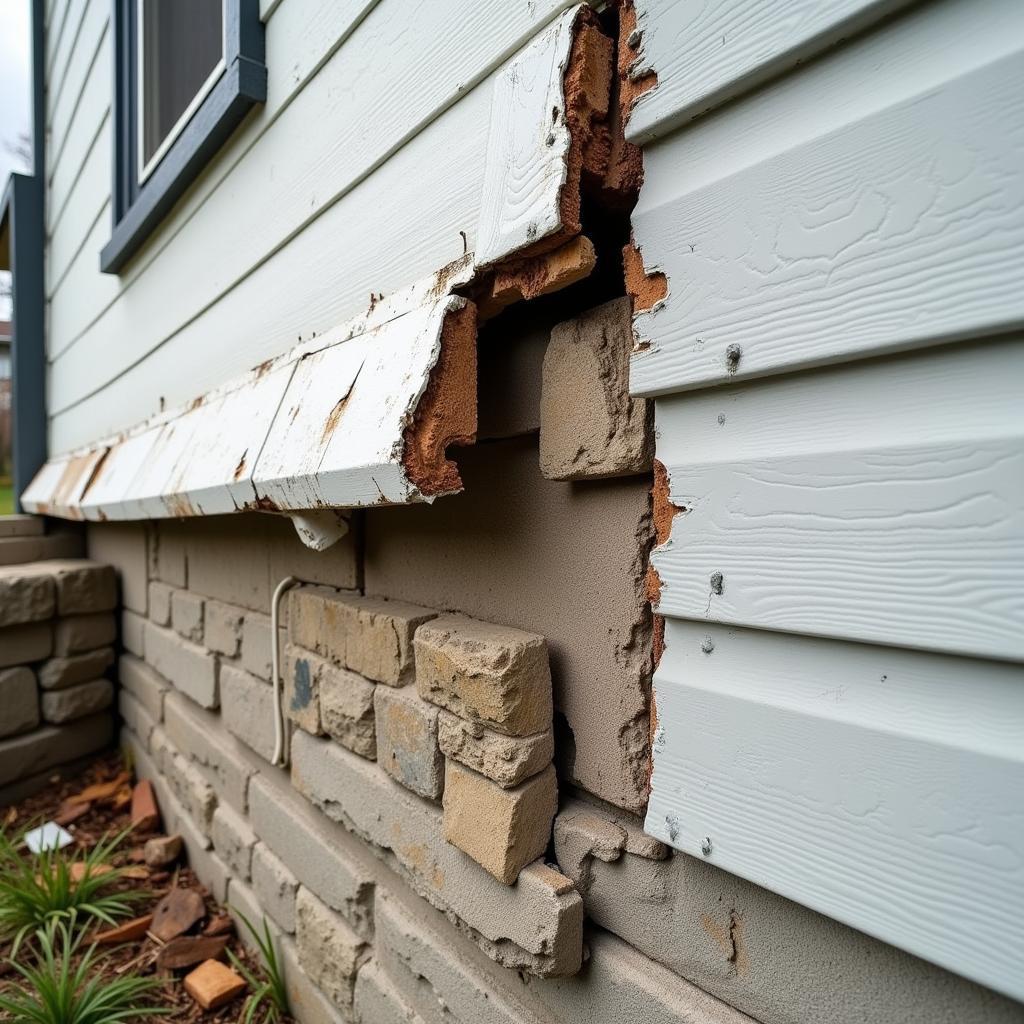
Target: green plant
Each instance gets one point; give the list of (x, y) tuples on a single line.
[(271, 991), (58, 990), (36, 888)]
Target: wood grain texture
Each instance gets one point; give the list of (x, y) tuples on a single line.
[(294, 174), (889, 219), (878, 786), (705, 52), (898, 519), (527, 147)]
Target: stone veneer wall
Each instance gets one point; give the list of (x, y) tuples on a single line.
[(379, 916), (57, 627)]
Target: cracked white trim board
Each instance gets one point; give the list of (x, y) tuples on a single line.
[(268, 439)]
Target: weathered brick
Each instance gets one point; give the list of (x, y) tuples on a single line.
[(407, 740), (301, 700), (133, 629), (503, 830), (19, 550), (275, 886), (433, 966), (79, 633), (26, 595), (222, 628), (492, 674), (160, 603), (370, 636), (243, 904), (247, 708), (19, 700), (82, 586), (136, 716), (346, 708), (320, 853), (330, 952), (21, 756), (256, 649), (535, 926), (59, 673), (306, 1002), (192, 790), (508, 760), (167, 554), (76, 701), (233, 839), (590, 426), (186, 666), (187, 615), (376, 1000), (227, 763), (123, 545), (146, 685), (20, 645)]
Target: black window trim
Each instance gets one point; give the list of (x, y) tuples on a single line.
[(242, 84)]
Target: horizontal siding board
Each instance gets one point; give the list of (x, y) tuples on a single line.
[(878, 786), (292, 174), (63, 42), (78, 211), (705, 53), (897, 520), (902, 228)]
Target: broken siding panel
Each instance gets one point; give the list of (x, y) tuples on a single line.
[(704, 53), (878, 786), (430, 65), (901, 227)]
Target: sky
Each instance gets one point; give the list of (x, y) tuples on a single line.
[(15, 91)]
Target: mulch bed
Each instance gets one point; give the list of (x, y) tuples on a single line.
[(111, 816)]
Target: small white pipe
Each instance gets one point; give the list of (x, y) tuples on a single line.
[(280, 755)]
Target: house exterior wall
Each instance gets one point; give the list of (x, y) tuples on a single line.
[(837, 256)]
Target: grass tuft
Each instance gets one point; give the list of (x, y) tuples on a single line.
[(268, 992), (60, 991), (36, 889)]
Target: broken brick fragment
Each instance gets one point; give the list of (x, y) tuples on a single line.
[(213, 985), (645, 289), (145, 814), (188, 950), (130, 931), (176, 913)]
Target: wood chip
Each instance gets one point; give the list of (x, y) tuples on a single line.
[(189, 950), (220, 925), (145, 811), (101, 791), (127, 932), (212, 985), (178, 911), (78, 870), (71, 810), (122, 798), (139, 872)]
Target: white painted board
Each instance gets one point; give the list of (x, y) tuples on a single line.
[(878, 786), (705, 52), (888, 219)]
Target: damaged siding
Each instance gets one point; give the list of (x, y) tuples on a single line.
[(840, 698)]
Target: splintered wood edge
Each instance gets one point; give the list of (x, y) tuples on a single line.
[(447, 412)]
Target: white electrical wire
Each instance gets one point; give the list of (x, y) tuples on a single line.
[(280, 755)]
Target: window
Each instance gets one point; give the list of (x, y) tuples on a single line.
[(186, 72)]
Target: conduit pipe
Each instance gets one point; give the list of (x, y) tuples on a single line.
[(280, 743)]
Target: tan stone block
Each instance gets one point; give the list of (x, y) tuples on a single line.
[(222, 628), (76, 701), (57, 673), (346, 709), (503, 830), (20, 645), (301, 702), (370, 636), (492, 674), (508, 760), (20, 697), (26, 595), (213, 985), (82, 586), (590, 426), (407, 740)]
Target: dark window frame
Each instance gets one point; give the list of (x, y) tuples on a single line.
[(138, 208)]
